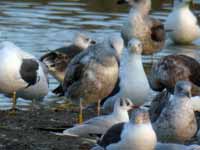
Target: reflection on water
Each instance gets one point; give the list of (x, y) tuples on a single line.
[(39, 25)]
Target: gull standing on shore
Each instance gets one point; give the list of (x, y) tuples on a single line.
[(21, 74), (92, 74), (133, 80)]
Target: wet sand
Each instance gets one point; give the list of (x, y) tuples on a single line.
[(24, 130), (31, 130)]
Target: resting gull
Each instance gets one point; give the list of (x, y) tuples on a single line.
[(137, 134), (140, 25), (182, 24), (99, 125), (172, 68), (177, 121), (21, 74)]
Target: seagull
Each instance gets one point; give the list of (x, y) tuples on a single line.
[(137, 134), (21, 74), (133, 80), (149, 31), (57, 60), (161, 100), (99, 125), (92, 74), (177, 121), (182, 24), (172, 68)]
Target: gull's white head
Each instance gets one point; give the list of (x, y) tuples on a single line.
[(83, 41), (183, 88), (181, 3), (140, 116), (135, 46), (124, 104), (117, 43), (9, 45), (141, 5), (143, 130)]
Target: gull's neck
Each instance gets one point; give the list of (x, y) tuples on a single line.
[(142, 9), (136, 58), (121, 114)]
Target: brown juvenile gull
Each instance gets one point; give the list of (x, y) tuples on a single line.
[(57, 60), (99, 125), (177, 121), (21, 74), (92, 74), (140, 25), (172, 68), (133, 80), (137, 134)]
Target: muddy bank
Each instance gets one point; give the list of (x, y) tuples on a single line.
[(22, 130), (25, 130)]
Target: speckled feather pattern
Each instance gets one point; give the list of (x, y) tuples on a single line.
[(177, 122), (92, 74), (169, 69), (58, 60), (143, 27)]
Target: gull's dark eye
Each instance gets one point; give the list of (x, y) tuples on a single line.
[(127, 103), (87, 39), (180, 88), (111, 46)]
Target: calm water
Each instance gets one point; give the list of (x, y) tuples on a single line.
[(37, 26)]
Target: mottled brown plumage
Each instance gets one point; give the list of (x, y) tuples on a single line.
[(57, 60), (169, 69), (157, 31), (140, 25), (177, 121), (91, 75)]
